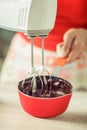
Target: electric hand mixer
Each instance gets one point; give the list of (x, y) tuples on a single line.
[(33, 17)]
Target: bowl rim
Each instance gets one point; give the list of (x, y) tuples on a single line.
[(44, 97)]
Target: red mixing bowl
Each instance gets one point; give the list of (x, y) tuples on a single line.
[(44, 107)]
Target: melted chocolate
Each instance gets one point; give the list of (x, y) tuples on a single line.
[(55, 87)]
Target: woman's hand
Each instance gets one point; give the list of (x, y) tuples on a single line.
[(75, 50)]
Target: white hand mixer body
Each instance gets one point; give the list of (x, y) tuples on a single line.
[(33, 17)]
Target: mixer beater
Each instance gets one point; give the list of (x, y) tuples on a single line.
[(33, 72), (40, 74), (44, 71)]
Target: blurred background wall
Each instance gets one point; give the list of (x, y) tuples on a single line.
[(5, 40)]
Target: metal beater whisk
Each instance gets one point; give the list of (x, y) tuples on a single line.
[(44, 71), (33, 72), (41, 73)]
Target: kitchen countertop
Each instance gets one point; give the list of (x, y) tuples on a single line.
[(13, 117)]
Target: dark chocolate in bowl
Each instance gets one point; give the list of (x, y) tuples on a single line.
[(56, 87)]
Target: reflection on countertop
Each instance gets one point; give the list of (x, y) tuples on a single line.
[(13, 117)]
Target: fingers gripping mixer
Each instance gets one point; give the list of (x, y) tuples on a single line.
[(33, 17)]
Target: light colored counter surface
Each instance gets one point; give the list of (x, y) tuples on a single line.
[(13, 117)]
